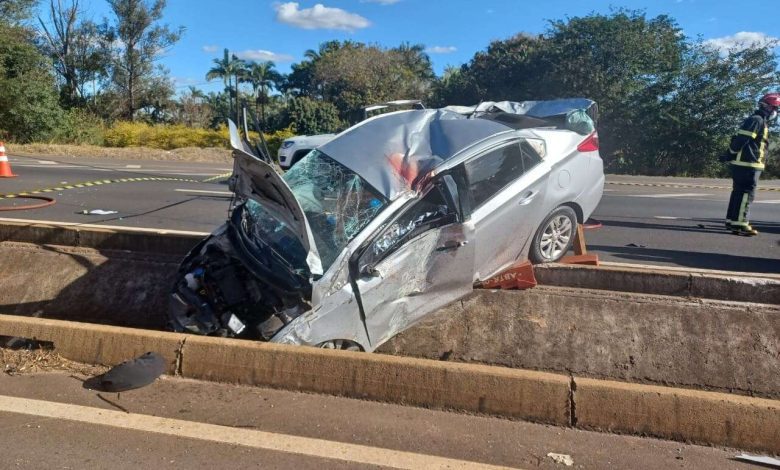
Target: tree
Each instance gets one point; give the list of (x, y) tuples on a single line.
[(229, 68), (263, 77), (28, 98), (137, 41), (667, 104), (310, 117), (14, 11), (351, 75), (74, 47), (193, 109)]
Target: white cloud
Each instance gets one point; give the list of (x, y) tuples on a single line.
[(381, 2), (210, 49), (441, 49), (261, 55), (319, 17), (740, 41)]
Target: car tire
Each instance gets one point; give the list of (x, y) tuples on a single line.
[(554, 237)]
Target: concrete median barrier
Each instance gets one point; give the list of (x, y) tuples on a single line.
[(708, 344), (677, 282), (679, 414), (673, 413), (169, 242)]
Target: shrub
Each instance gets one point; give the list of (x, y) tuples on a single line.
[(169, 137), (81, 128)]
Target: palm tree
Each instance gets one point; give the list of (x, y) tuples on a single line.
[(263, 77), (228, 68)]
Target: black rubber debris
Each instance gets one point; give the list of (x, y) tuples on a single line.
[(634, 245), (129, 375)]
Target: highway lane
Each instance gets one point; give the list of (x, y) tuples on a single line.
[(684, 226), (51, 421), (661, 221)]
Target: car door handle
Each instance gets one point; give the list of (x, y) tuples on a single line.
[(527, 198), (451, 245)]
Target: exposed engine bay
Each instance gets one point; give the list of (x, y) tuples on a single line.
[(229, 287)]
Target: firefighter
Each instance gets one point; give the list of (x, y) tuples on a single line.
[(746, 155)]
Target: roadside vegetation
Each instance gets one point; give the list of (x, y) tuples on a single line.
[(668, 102)]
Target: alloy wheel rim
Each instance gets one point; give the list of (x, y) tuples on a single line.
[(556, 237)]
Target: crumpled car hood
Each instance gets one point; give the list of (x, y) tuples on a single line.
[(257, 180)]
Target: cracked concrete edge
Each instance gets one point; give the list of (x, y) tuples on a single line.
[(566, 400)]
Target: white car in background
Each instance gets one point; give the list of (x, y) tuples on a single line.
[(295, 148)]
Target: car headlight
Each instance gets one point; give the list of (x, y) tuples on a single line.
[(287, 144)]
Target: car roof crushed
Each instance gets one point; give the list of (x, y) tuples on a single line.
[(393, 152)]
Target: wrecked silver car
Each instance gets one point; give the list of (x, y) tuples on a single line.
[(390, 221)]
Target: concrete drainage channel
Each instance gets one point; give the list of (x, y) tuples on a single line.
[(621, 349)]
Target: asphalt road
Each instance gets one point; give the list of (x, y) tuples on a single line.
[(51, 421), (660, 221)]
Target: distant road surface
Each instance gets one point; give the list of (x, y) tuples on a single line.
[(660, 221)]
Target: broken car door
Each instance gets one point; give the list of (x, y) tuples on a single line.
[(420, 262)]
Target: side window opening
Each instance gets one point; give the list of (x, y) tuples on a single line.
[(492, 172), (531, 157)]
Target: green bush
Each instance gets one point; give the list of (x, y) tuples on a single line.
[(81, 128)]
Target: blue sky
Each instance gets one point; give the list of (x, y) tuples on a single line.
[(453, 30)]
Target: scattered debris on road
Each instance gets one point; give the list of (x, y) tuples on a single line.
[(562, 459), (97, 212), (634, 245)]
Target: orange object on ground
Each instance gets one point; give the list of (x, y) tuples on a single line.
[(5, 167), (520, 276), (592, 260)]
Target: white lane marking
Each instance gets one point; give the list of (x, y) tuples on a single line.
[(666, 217), (133, 166), (318, 448), (60, 167), (203, 191), (770, 201), (47, 162), (118, 228), (663, 196)]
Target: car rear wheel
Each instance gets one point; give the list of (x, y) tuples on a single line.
[(341, 344), (555, 236)]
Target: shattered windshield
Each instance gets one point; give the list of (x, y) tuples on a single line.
[(337, 202)]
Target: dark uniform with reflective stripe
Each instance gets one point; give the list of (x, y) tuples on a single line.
[(748, 152)]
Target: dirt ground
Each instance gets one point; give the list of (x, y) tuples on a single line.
[(23, 361), (190, 154)]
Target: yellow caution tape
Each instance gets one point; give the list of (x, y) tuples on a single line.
[(90, 184)]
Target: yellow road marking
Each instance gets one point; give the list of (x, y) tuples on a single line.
[(319, 448)]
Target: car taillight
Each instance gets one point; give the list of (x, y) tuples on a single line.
[(591, 144)]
